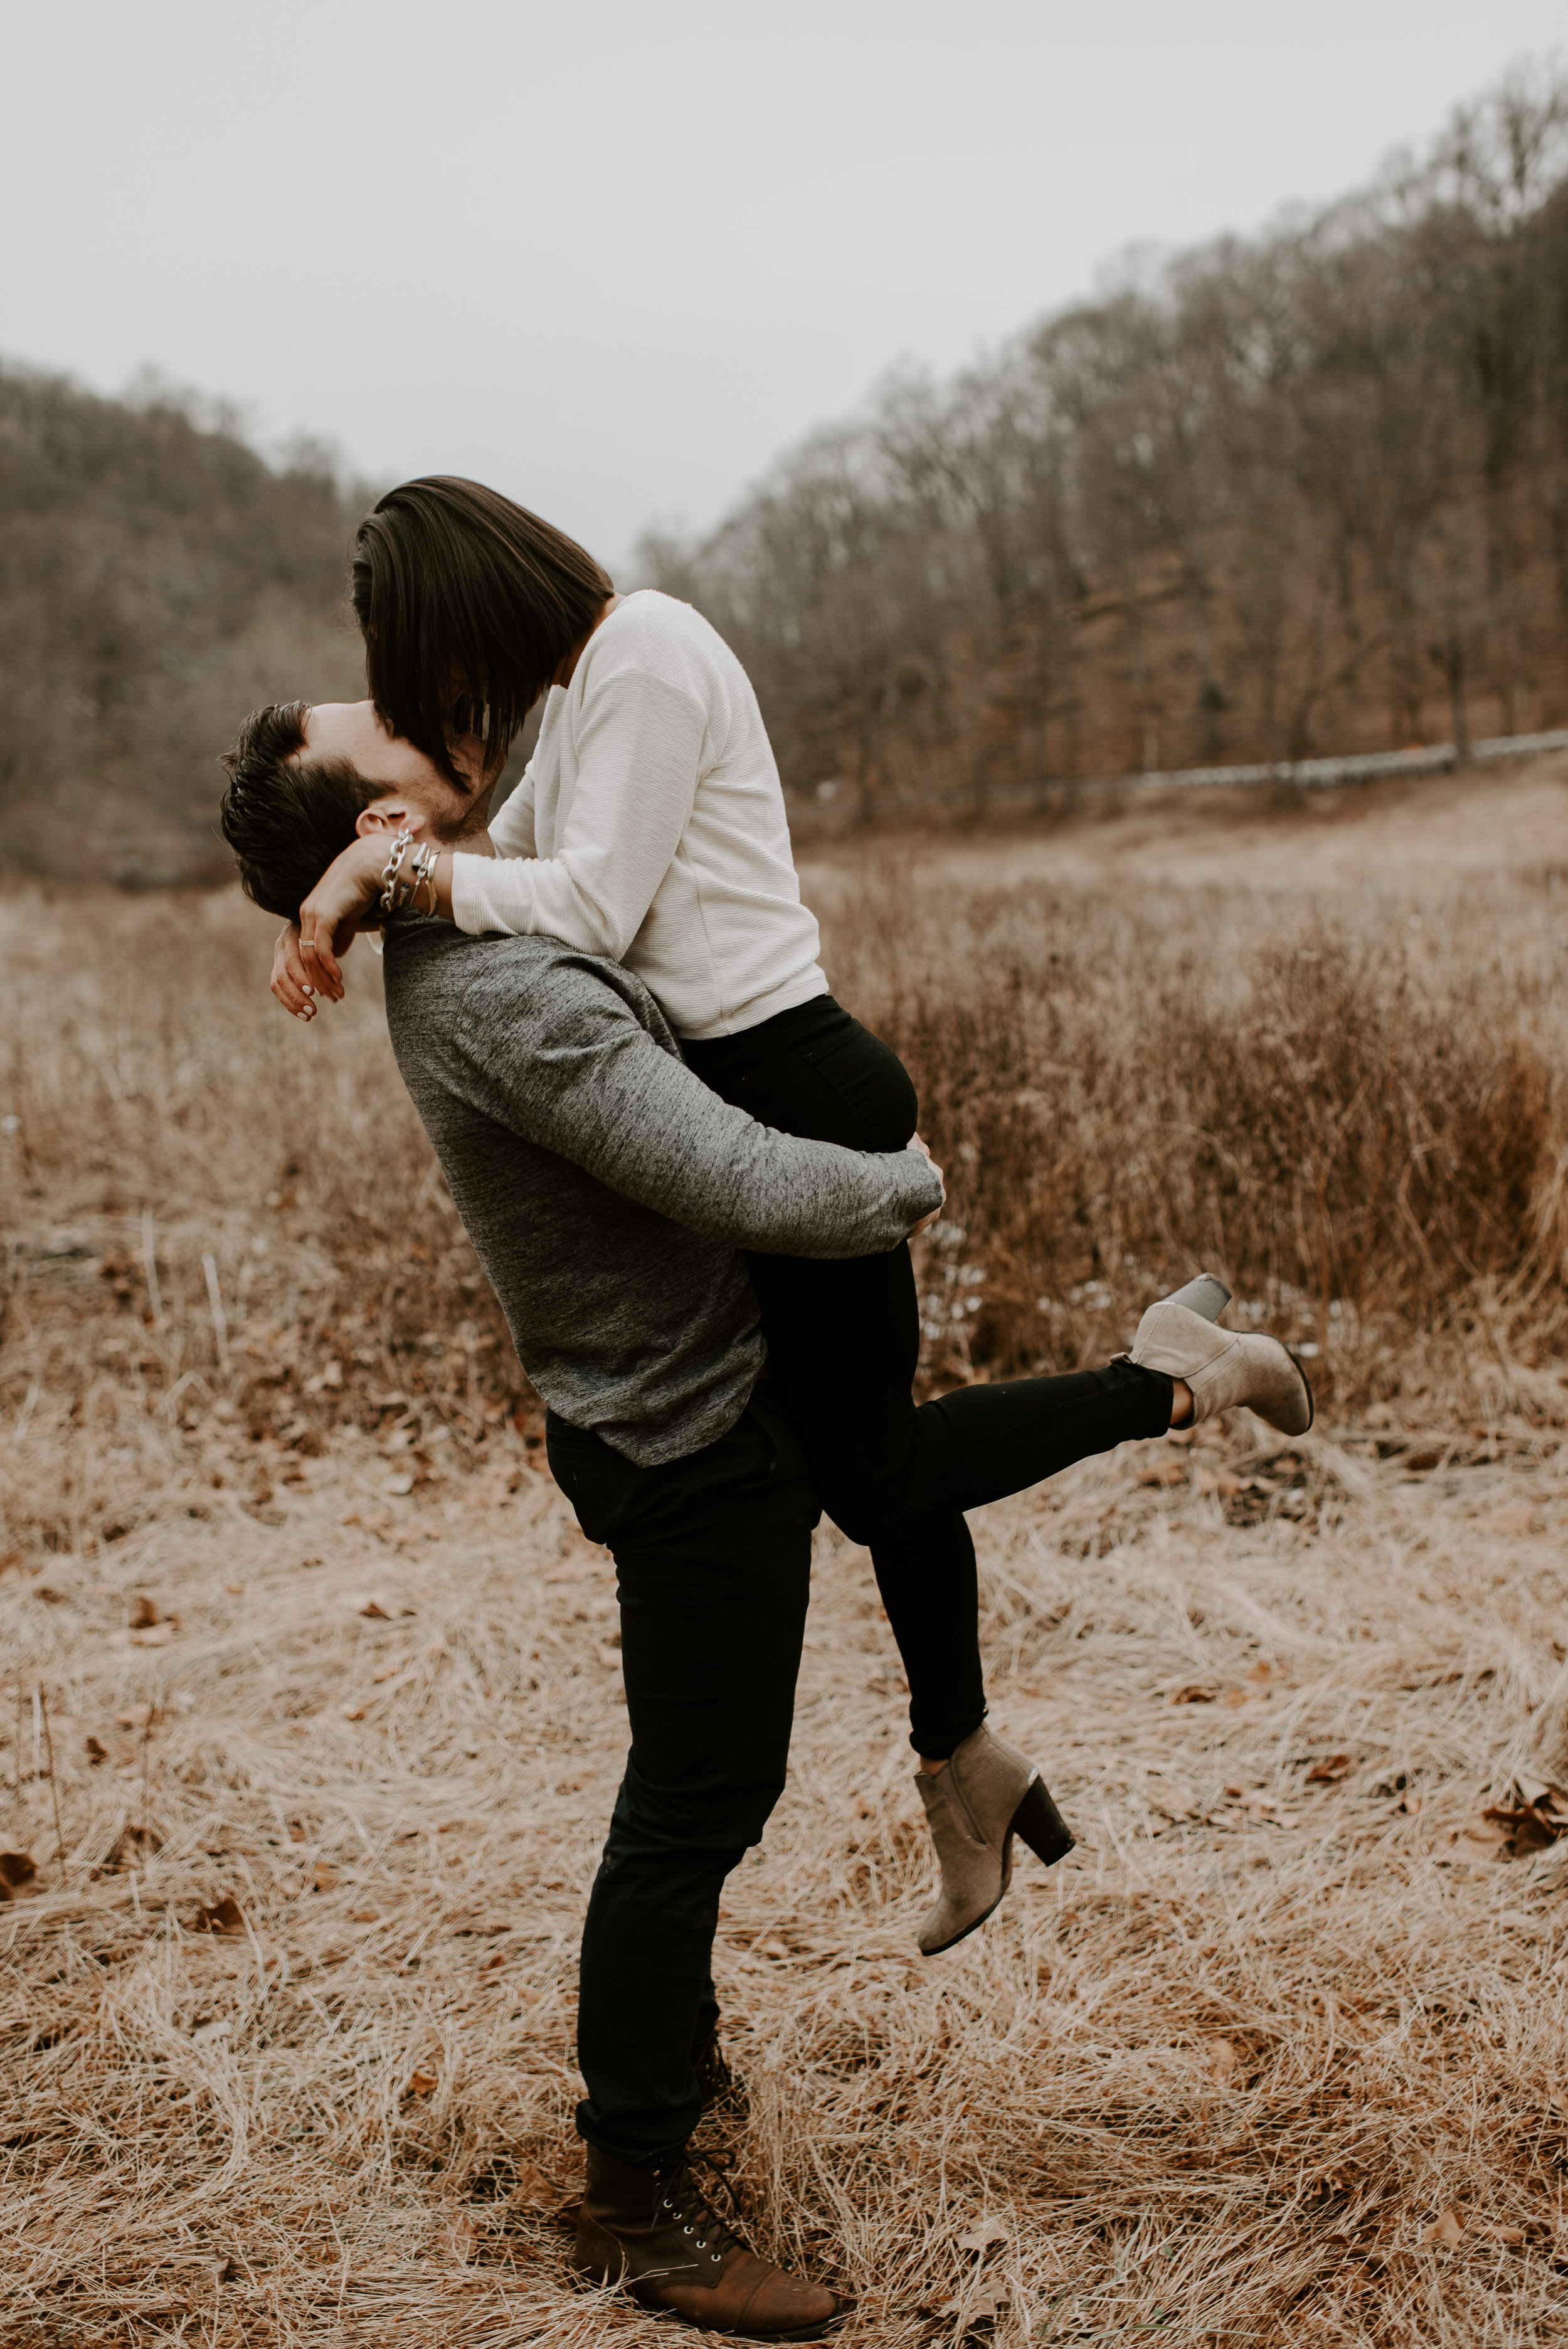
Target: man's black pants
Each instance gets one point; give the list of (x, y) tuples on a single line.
[(714, 1559), (713, 1556)]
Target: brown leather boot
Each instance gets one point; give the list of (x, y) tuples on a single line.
[(654, 2231)]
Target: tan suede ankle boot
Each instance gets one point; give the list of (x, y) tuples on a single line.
[(1224, 1368), (989, 1794)]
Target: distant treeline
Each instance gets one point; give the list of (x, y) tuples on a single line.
[(1303, 493), (157, 578)]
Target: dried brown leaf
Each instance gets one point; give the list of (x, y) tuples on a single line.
[(1326, 1773), (984, 2233), (459, 2241), (534, 2190), (224, 1915), (1531, 1827)]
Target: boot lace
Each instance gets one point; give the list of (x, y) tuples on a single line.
[(686, 2201)]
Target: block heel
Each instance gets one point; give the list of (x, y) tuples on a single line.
[(1039, 1824), (989, 1795)]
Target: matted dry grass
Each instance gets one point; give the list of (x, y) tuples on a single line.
[(1219, 2074), (332, 1696)]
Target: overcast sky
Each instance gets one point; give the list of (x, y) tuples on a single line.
[(615, 257)]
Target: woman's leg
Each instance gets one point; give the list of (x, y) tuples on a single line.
[(843, 1340)]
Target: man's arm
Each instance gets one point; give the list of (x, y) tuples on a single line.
[(564, 1060)]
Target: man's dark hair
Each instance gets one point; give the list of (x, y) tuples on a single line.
[(286, 817), (469, 605)]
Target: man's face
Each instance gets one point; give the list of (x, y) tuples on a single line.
[(417, 797)]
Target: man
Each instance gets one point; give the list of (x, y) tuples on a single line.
[(607, 1193)]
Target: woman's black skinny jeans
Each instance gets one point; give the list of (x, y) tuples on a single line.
[(843, 1342)]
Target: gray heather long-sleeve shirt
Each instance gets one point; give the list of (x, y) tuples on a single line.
[(606, 1190)]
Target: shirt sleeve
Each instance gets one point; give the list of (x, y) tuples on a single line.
[(580, 1076), (639, 754)]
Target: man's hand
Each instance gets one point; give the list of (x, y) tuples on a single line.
[(915, 1142)]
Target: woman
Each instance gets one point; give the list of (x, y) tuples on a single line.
[(650, 828)]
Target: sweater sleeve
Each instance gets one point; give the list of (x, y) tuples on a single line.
[(511, 830), (583, 1078), (639, 751)]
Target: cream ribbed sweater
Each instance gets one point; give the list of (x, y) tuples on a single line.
[(649, 827)]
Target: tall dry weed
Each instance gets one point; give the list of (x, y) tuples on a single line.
[(313, 1713), (1357, 1122)]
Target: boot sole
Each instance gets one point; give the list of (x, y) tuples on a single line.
[(700, 2324), (1295, 1363), (1039, 1824), (1311, 1399)]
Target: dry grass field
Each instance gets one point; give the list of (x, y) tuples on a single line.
[(312, 1716)]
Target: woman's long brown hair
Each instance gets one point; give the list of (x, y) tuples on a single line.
[(467, 599)]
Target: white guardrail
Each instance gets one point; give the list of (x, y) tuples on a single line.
[(1429, 759), (1311, 774)]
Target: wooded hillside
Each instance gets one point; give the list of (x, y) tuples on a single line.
[(157, 578), (1305, 493)]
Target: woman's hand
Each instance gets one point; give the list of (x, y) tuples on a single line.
[(347, 891), (290, 983), (914, 1142)]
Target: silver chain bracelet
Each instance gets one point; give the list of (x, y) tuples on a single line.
[(389, 898)]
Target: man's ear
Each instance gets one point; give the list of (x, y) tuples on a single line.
[(390, 814)]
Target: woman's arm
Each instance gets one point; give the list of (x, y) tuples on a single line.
[(305, 959), (640, 746)]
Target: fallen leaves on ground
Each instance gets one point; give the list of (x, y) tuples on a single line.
[(984, 2233), (534, 2190), (1444, 2231)]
